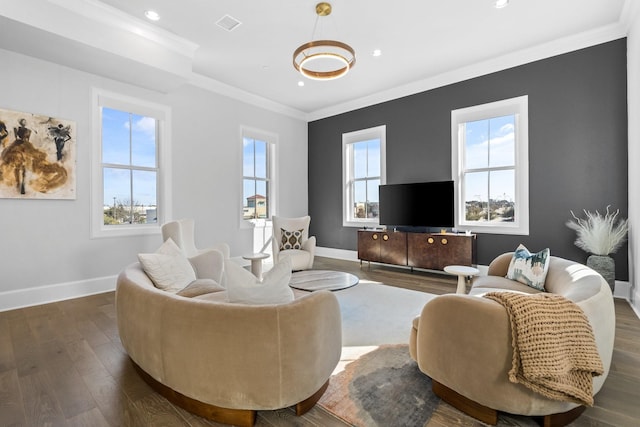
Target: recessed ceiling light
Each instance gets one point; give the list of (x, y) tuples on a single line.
[(376, 52), (499, 4), (300, 83), (152, 15)]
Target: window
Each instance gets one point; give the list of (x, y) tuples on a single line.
[(257, 182), (490, 166), (363, 163), (129, 176)]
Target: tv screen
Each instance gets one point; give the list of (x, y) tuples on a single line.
[(422, 204)]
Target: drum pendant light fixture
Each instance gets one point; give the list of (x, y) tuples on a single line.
[(323, 59)]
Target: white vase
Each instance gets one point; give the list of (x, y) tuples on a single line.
[(606, 266)]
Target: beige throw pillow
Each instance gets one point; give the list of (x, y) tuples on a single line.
[(243, 287), (200, 287), (168, 268)]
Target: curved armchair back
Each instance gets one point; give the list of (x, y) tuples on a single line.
[(451, 327), (182, 232), (301, 259)]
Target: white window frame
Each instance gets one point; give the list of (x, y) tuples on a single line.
[(514, 106), (162, 113), (272, 143), (348, 139)]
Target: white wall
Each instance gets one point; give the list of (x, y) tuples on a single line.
[(633, 100), (46, 252)]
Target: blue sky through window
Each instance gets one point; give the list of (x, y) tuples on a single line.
[(129, 140), (366, 163), (490, 143), (255, 172)]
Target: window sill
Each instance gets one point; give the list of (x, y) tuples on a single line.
[(488, 229), (361, 224)]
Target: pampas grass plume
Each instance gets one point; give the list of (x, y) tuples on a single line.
[(599, 234)]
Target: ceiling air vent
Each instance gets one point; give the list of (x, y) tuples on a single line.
[(228, 23)]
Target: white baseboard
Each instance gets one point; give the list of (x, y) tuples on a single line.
[(344, 254), (635, 302), (20, 298)]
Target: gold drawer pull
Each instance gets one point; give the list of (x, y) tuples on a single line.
[(444, 241), (385, 237), (430, 240), (374, 237)]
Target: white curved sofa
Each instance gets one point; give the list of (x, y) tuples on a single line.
[(463, 342), (224, 360)]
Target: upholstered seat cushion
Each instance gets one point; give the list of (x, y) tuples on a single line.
[(298, 257), (485, 284)]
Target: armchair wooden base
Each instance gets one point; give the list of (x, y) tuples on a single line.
[(237, 417), (490, 416)]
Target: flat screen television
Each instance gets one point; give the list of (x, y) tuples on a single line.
[(421, 204)]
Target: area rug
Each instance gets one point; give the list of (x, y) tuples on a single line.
[(384, 387)]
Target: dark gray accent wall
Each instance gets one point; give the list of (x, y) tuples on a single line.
[(577, 147)]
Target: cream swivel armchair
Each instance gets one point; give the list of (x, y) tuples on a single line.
[(182, 233), (291, 238)]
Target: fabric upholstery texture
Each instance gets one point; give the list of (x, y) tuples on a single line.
[(182, 232), (302, 257), (529, 268), (244, 287), (168, 268), (465, 342), (235, 356)]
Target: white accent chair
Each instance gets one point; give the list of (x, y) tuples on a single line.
[(182, 233), (301, 259)]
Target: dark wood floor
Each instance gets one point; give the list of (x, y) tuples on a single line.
[(62, 364)]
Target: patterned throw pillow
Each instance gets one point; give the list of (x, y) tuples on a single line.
[(530, 269), (290, 239)]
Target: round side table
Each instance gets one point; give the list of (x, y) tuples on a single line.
[(256, 263), (463, 272)]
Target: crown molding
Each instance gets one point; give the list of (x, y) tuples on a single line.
[(514, 59), (212, 85), (112, 17)]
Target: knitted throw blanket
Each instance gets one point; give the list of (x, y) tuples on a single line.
[(554, 349)]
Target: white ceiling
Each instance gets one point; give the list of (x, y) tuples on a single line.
[(424, 43)]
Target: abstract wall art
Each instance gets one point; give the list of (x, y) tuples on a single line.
[(37, 156)]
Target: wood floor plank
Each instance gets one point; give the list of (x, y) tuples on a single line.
[(63, 364), (71, 393), (84, 358), (40, 404), (25, 347), (154, 411), (7, 358), (106, 324), (119, 365), (91, 332), (12, 411), (92, 418), (113, 403), (65, 328)]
